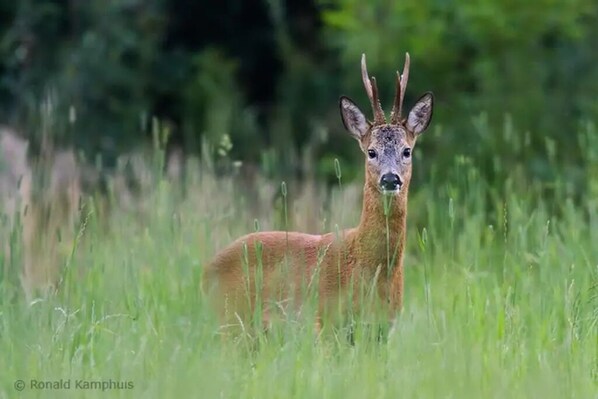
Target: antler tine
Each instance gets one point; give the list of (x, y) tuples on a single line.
[(365, 77), (372, 91), (397, 108), (379, 117), (404, 80), (395, 114)]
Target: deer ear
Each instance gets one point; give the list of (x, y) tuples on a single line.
[(421, 114), (353, 119)]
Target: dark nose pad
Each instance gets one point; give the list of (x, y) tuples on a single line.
[(390, 181)]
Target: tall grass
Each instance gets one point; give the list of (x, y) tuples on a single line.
[(501, 297)]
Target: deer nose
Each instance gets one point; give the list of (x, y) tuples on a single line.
[(390, 182)]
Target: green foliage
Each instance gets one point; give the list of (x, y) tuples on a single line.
[(497, 304), (215, 108), (527, 59), (93, 58), (501, 279), (275, 89)]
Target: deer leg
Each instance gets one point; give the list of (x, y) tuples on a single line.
[(266, 319), (396, 293), (318, 324)]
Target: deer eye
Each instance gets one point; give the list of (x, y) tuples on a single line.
[(407, 152), (372, 154)]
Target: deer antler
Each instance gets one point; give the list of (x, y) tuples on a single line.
[(397, 108), (372, 90)]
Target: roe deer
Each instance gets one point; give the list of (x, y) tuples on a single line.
[(262, 270)]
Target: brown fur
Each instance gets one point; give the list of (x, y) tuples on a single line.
[(274, 269)]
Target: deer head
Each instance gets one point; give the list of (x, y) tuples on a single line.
[(387, 146)]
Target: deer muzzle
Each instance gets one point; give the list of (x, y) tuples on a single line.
[(390, 182)]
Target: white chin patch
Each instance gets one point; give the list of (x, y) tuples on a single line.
[(390, 192)]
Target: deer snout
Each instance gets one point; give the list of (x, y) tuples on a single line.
[(390, 182)]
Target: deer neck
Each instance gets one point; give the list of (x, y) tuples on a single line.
[(380, 236)]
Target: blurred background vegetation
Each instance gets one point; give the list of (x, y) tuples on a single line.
[(259, 80), (138, 137)]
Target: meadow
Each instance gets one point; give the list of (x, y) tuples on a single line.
[(501, 292)]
